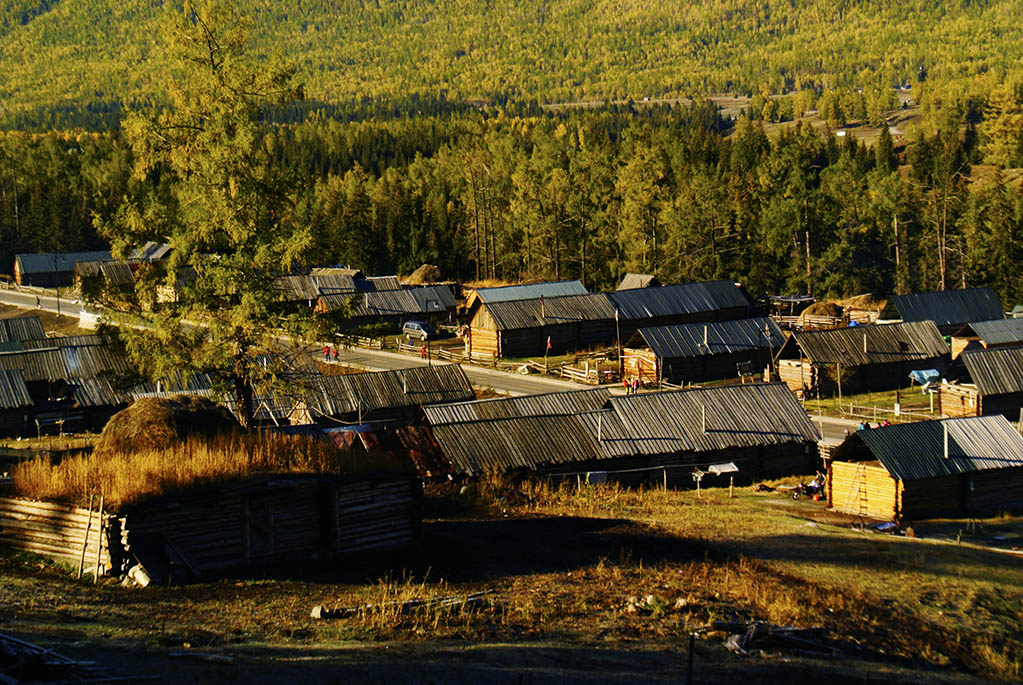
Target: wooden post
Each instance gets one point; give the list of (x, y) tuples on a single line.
[(665, 478), (85, 540), (838, 377), (731, 487), (99, 541)]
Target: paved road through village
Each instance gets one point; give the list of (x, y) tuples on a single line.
[(833, 429)]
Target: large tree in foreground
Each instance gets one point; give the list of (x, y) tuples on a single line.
[(228, 212)]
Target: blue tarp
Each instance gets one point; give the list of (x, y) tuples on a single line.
[(924, 376)]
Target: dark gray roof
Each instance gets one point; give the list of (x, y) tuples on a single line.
[(547, 404), (36, 365), (674, 300), (911, 451), (995, 372), (434, 298), (997, 332), (950, 307), (895, 342), (384, 303), (13, 391), (550, 311), (51, 262), (21, 328), (632, 281), (380, 283), (725, 337), (530, 291), (97, 392), (736, 416), (477, 447), (335, 395)]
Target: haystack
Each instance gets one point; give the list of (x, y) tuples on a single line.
[(157, 423), (866, 302), (822, 309), (424, 275)]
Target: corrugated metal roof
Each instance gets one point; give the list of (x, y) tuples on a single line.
[(724, 337), (950, 307), (673, 300), (608, 431), (632, 281), (66, 341), (380, 284), (296, 288), (36, 365), (21, 328), (530, 291), (478, 447), (93, 360), (385, 303), (13, 391), (379, 390), (97, 392), (911, 451), (434, 298), (50, 262), (895, 342), (995, 372), (547, 404), (550, 311), (736, 416), (997, 332)]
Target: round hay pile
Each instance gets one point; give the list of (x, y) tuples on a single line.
[(822, 309), (158, 422), (424, 275)]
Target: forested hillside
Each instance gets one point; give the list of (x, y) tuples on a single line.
[(92, 54), (591, 194)]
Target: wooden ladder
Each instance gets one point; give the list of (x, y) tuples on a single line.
[(858, 496)]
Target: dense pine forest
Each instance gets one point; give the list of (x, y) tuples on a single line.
[(94, 56), (680, 192)]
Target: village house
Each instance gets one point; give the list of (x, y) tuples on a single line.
[(950, 310), (952, 467), (994, 385), (987, 335), (860, 358)]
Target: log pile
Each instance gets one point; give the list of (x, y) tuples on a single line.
[(259, 521)]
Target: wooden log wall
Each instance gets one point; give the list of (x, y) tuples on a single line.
[(931, 497), (60, 532), (993, 492), (880, 489), (640, 363), (958, 400), (255, 523)]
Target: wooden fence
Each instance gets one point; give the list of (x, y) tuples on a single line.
[(260, 521)]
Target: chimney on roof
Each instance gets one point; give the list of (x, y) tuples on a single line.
[(864, 342), (944, 426), (706, 335), (543, 310)]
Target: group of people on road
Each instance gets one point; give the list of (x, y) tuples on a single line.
[(631, 386), (327, 351)]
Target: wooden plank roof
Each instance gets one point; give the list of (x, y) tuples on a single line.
[(434, 298), (882, 344), (13, 391), (632, 281), (997, 332), (548, 404), (527, 291), (21, 328), (57, 262), (550, 311), (995, 372), (704, 339), (674, 300), (66, 341), (377, 390), (36, 365), (710, 419), (913, 451), (950, 307)]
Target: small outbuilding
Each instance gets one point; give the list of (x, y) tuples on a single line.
[(633, 281), (994, 385), (692, 353), (860, 358), (952, 467), (987, 335), (52, 270)]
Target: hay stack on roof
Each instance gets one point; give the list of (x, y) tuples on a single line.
[(424, 275), (157, 423)]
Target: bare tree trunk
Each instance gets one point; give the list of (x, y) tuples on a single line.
[(243, 390)]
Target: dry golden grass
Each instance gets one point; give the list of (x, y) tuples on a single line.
[(127, 477), (158, 422)]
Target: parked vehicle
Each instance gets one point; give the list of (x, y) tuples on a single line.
[(419, 330), (813, 490)]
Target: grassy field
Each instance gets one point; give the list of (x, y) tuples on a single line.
[(597, 585)]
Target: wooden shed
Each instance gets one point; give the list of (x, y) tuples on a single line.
[(692, 353), (52, 269), (951, 467), (861, 358), (987, 335), (996, 387)]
